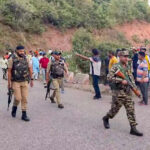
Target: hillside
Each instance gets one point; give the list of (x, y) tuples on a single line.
[(136, 33), (74, 24)]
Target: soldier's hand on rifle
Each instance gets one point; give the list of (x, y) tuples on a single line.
[(124, 82)]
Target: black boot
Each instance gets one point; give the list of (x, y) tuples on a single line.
[(134, 131), (24, 116), (60, 106), (106, 122), (14, 110), (52, 100)]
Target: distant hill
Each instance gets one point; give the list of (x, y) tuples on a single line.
[(53, 23)]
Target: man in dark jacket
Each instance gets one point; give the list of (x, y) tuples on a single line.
[(135, 63)]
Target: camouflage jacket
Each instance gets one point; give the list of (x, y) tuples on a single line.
[(115, 81)]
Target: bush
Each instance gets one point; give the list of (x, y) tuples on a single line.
[(31, 15), (84, 42), (21, 16)]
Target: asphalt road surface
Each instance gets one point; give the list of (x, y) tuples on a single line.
[(78, 126)]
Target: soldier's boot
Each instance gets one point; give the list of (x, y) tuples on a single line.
[(24, 116), (61, 106), (14, 110), (52, 100), (134, 131), (106, 122)]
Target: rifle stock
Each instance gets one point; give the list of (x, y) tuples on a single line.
[(135, 90)]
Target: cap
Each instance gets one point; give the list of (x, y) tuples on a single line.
[(56, 53), (124, 53), (20, 47)]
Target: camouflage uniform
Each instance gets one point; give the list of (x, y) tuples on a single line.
[(121, 94)]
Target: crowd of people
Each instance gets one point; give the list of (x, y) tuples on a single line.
[(140, 68), (21, 68), (124, 75)]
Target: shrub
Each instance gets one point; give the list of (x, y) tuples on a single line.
[(21, 16), (31, 15)]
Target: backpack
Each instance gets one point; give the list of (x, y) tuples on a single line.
[(57, 69)]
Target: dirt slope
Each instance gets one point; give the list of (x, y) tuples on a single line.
[(136, 32)]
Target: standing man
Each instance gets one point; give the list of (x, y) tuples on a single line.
[(95, 71), (36, 66), (55, 72), (4, 66), (142, 77), (135, 63), (43, 64), (147, 58), (113, 60), (19, 75), (106, 69), (122, 93)]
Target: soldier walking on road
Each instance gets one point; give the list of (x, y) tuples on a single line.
[(19, 75), (122, 94), (55, 72)]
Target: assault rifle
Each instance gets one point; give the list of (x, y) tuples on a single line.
[(10, 93), (49, 88), (135, 90)]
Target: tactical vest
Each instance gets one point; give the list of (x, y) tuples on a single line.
[(57, 69), (20, 69)]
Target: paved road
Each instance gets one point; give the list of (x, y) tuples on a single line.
[(77, 127)]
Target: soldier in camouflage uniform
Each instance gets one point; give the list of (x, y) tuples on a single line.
[(121, 93)]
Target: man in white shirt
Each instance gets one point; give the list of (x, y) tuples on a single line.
[(95, 71), (4, 66)]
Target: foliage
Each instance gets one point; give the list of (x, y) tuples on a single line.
[(136, 39), (32, 15), (83, 42)]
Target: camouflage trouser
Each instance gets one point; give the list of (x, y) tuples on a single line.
[(117, 102)]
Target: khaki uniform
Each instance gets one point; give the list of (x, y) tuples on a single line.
[(121, 94), (57, 82), (20, 89)]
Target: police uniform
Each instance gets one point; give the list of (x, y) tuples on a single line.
[(56, 73), (20, 83), (121, 95)]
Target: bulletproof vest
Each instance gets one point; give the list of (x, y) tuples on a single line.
[(20, 69), (57, 69)]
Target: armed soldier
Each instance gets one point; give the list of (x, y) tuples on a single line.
[(19, 75), (55, 72), (123, 84)]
